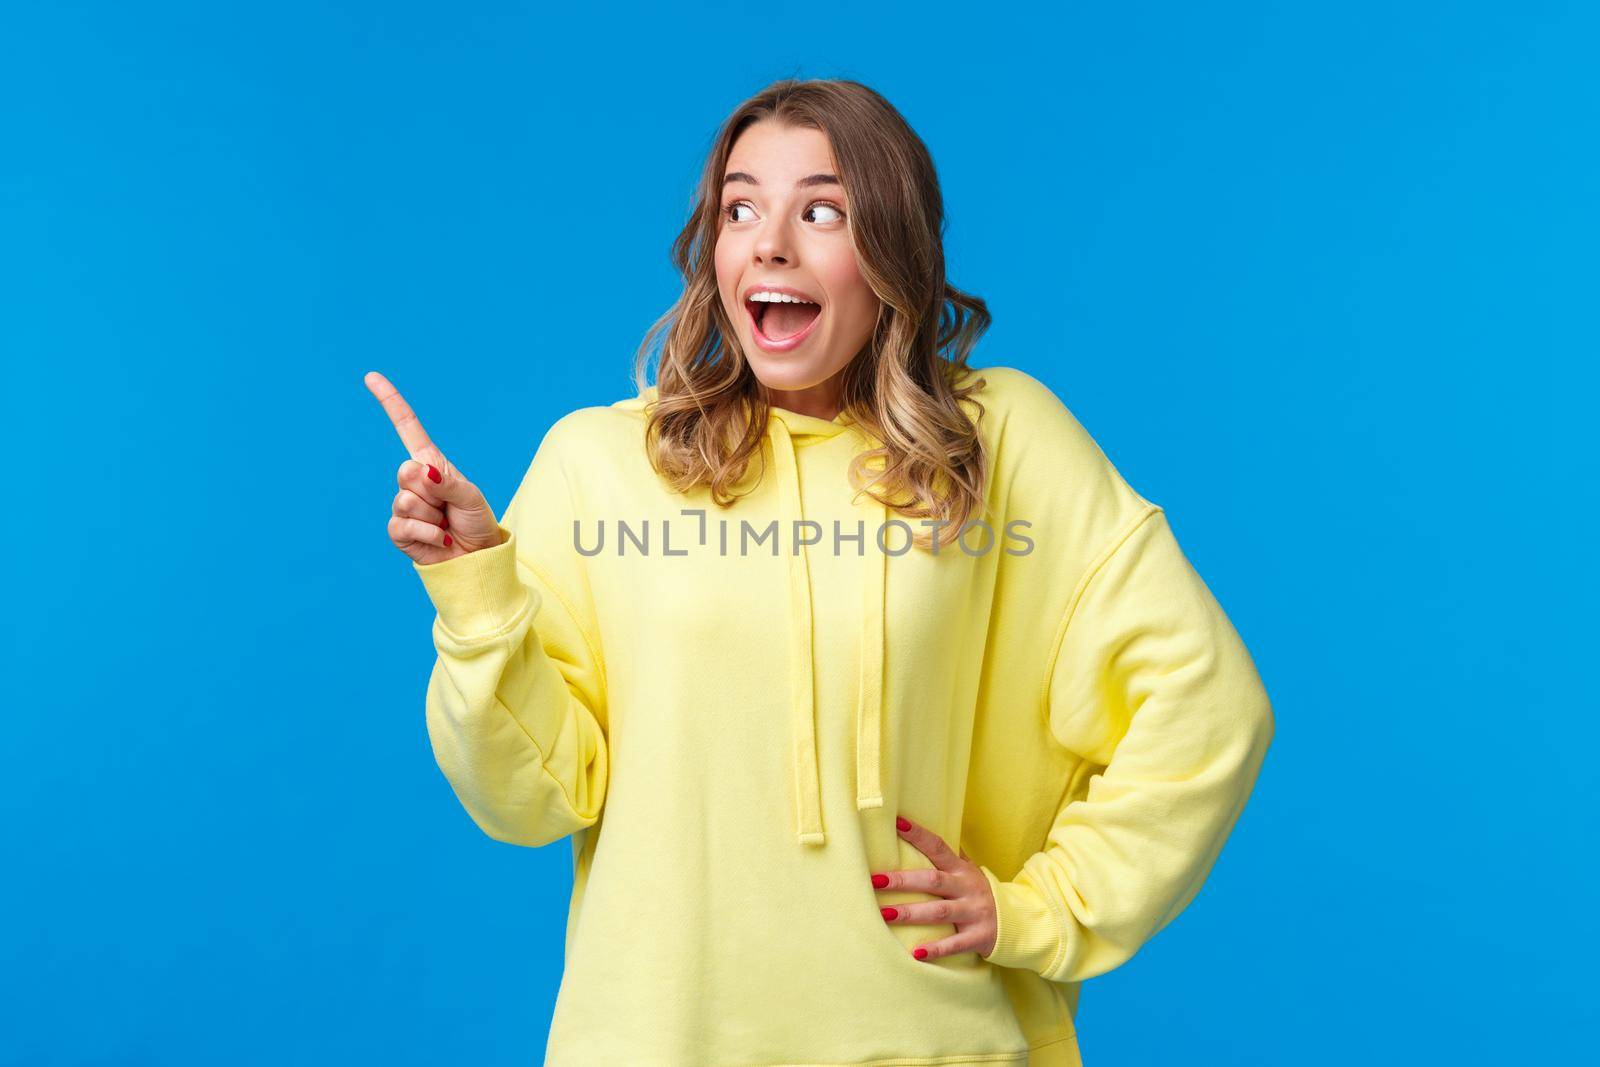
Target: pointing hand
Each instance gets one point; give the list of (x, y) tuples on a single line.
[(438, 513)]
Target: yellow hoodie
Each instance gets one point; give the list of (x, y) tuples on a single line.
[(726, 709)]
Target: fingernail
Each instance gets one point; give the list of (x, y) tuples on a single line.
[(903, 824), (880, 881), (447, 540), (920, 953), (433, 473), (444, 523), (888, 913)]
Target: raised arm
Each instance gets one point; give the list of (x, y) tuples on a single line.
[(515, 703)]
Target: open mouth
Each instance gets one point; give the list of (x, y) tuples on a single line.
[(781, 324)]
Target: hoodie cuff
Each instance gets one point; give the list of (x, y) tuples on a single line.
[(1028, 936), (477, 594)]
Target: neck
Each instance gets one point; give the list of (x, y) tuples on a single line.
[(820, 401)]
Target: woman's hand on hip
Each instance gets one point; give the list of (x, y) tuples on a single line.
[(437, 514), (968, 903)]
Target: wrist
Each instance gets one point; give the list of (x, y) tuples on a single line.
[(477, 593)]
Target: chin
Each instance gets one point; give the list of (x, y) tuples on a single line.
[(776, 372)]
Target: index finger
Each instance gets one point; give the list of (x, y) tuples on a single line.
[(929, 844), (406, 423)]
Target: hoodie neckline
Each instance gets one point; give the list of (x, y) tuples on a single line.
[(804, 428)]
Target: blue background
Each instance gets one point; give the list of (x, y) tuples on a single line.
[(1321, 282)]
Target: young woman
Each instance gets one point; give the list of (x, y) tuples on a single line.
[(881, 712)]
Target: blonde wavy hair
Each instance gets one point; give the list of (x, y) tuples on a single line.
[(710, 412)]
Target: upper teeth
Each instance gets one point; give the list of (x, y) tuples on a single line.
[(766, 296)]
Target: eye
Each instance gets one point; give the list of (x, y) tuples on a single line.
[(729, 211), (826, 207)]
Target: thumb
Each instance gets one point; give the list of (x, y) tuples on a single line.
[(447, 483), (472, 521)]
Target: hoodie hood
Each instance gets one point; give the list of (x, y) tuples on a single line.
[(786, 433)]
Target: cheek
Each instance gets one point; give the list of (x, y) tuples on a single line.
[(726, 259), (852, 297)]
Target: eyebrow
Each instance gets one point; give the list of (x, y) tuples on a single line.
[(812, 179)]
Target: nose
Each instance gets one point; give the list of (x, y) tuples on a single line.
[(773, 243)]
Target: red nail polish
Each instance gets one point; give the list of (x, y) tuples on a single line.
[(880, 881), (447, 540), (433, 473), (888, 913), (921, 953), (903, 824), (444, 523)]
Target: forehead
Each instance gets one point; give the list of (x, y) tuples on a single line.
[(779, 155)]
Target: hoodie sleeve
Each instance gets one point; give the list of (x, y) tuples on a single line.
[(516, 702), (1150, 680)]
